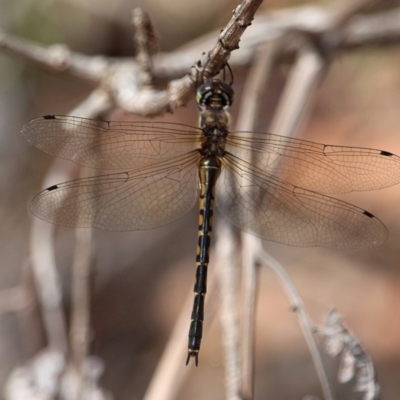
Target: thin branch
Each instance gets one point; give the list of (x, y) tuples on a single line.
[(119, 84), (146, 42), (80, 313), (304, 320), (119, 76), (55, 58), (257, 78), (48, 286), (381, 29), (227, 268), (295, 99), (291, 112), (45, 272), (230, 36), (250, 278)]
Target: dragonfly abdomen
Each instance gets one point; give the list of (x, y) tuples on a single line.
[(209, 170)]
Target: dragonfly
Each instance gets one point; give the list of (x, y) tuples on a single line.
[(274, 187)]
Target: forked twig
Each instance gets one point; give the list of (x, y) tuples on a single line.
[(304, 320), (118, 85)]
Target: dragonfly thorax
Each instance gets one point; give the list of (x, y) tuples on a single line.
[(213, 143), (211, 119)]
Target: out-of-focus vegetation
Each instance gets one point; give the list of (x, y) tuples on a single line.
[(142, 278)]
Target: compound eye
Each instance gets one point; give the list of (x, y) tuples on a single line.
[(213, 90)]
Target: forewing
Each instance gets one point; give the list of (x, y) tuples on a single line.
[(138, 199), (278, 211), (314, 166), (110, 144)]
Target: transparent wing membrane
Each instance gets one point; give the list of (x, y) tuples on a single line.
[(314, 166), (278, 211), (138, 199), (270, 185), (110, 144)]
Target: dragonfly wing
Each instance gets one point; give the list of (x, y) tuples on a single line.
[(110, 144), (278, 211), (138, 199), (314, 166)]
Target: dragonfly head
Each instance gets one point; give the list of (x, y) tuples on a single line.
[(214, 95)]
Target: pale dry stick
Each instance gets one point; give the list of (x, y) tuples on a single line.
[(292, 111), (146, 43), (250, 275), (80, 297), (293, 107), (379, 29), (304, 77), (228, 281), (229, 319), (118, 76), (171, 370), (95, 105), (249, 111), (44, 269), (305, 321), (47, 284), (80, 326), (229, 37), (290, 114)]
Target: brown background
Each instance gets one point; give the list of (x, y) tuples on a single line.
[(142, 278)]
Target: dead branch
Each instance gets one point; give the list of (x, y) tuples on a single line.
[(119, 77)]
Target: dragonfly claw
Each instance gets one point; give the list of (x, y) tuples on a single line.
[(195, 354)]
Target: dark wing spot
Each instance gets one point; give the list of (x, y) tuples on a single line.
[(368, 214), (54, 187), (386, 153), (50, 116)]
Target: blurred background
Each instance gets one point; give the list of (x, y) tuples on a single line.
[(142, 278)]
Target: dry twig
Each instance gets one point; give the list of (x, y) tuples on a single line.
[(118, 84)]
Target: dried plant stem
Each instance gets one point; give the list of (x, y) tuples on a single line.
[(47, 285), (144, 38), (80, 316), (227, 268), (94, 105), (250, 275), (291, 112), (119, 76), (249, 112), (304, 320), (118, 84)]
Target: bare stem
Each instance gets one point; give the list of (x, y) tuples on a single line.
[(304, 320)]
